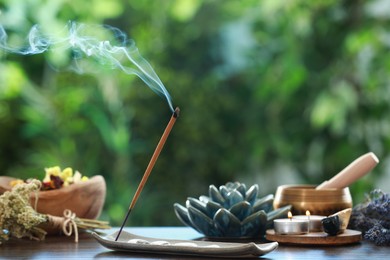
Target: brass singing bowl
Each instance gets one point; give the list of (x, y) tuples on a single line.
[(322, 202)]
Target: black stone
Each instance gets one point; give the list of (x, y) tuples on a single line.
[(331, 225)]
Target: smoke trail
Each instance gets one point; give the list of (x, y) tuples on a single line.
[(85, 41)]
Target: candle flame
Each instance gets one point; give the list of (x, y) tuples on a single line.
[(307, 213), (289, 215)]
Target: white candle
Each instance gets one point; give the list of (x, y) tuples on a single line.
[(315, 224), (291, 226)]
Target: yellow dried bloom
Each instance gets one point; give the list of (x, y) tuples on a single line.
[(15, 182), (55, 171), (55, 178), (66, 173), (77, 177)]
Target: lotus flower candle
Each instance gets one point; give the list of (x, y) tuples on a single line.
[(231, 211)]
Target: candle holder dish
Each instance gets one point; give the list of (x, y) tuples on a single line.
[(318, 201), (232, 211), (85, 198)]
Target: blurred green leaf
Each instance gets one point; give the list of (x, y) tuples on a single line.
[(270, 92)]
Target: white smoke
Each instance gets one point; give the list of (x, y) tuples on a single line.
[(86, 42)]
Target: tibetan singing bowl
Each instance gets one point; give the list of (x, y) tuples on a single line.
[(319, 202)]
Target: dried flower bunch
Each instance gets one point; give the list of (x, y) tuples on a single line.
[(372, 218), (55, 178), (18, 219)]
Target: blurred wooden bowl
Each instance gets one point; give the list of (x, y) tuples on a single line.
[(319, 202), (85, 198)]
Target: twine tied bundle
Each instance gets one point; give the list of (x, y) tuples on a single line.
[(19, 219), (70, 223), (67, 223)]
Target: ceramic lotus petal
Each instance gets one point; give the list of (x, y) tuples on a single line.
[(241, 210), (231, 210), (254, 224), (227, 223)]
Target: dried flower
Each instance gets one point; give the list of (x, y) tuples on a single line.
[(373, 218), (378, 234), (18, 219), (55, 178)]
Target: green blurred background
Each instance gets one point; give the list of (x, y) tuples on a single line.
[(271, 92)]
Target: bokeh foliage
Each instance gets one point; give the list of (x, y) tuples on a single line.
[(271, 92)]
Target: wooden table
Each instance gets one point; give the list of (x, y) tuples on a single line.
[(62, 247)]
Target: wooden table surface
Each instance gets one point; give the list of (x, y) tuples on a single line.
[(62, 247)]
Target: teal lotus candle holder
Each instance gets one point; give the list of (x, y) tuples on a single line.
[(231, 211)]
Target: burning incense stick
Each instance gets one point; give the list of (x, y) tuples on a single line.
[(152, 161)]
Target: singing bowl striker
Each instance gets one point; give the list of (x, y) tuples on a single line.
[(319, 202), (85, 198)]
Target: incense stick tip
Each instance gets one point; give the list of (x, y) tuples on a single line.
[(176, 113)]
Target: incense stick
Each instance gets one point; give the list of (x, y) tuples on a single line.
[(149, 169)]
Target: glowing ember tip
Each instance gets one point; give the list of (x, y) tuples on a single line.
[(176, 113)]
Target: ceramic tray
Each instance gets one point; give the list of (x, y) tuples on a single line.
[(138, 244)]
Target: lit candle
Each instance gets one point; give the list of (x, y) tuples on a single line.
[(291, 226), (315, 224)]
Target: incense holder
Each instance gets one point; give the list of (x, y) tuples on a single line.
[(232, 211)]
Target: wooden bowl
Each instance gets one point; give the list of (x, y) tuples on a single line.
[(319, 202), (85, 198)]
